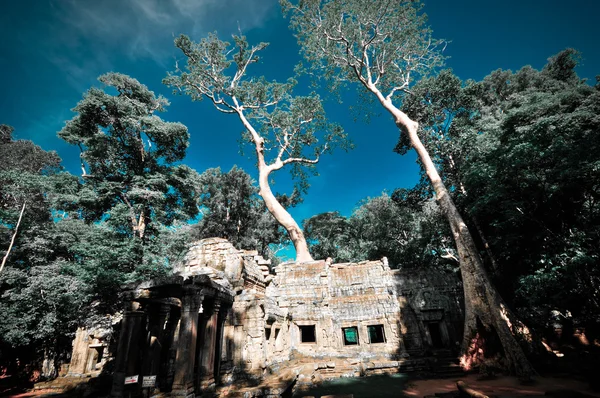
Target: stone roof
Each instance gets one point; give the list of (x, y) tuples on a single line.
[(219, 259)]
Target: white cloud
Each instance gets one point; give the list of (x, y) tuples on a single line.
[(146, 27), (91, 36)]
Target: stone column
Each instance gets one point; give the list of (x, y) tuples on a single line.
[(157, 315), (128, 351), (169, 350), (183, 383), (219, 351), (207, 365)]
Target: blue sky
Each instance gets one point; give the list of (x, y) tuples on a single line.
[(53, 50)]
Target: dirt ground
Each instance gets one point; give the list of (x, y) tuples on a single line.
[(502, 386)]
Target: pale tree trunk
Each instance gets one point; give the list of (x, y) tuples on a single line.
[(484, 241), (138, 224), (283, 217), (12, 240), (486, 245), (486, 314), (141, 224)]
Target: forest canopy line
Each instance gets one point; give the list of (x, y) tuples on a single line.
[(509, 190)]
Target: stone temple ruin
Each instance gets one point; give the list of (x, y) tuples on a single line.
[(224, 316)]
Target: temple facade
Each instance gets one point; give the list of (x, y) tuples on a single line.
[(225, 315)]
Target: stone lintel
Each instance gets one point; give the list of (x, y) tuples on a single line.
[(172, 301)]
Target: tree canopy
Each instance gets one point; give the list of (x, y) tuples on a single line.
[(520, 152), (131, 154), (409, 234)]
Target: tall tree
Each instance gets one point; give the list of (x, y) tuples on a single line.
[(283, 129), (532, 179), (128, 158), (384, 46), (42, 297), (23, 173)]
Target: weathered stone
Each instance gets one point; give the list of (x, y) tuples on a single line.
[(256, 322)]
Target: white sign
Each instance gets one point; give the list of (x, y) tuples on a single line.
[(148, 381), (131, 379)]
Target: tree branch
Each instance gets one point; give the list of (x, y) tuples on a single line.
[(12, 241)]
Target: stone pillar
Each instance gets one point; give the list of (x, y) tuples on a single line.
[(207, 364), (157, 315), (169, 350), (183, 383), (128, 351), (219, 351)]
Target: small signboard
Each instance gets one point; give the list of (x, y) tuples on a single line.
[(148, 381), (131, 379)]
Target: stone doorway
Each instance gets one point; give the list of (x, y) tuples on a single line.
[(435, 335)]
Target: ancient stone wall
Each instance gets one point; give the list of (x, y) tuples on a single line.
[(431, 308), (90, 351), (252, 336), (242, 319), (339, 310)]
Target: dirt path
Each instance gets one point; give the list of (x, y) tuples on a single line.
[(502, 386)]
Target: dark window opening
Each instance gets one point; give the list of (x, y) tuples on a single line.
[(100, 354), (376, 334), (307, 334), (350, 335), (267, 333), (436, 336), (276, 333)]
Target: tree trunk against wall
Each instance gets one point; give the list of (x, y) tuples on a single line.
[(485, 311)]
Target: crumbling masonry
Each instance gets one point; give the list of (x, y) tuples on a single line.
[(224, 315)]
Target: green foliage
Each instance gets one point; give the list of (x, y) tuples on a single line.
[(136, 200), (40, 304), (40, 298), (330, 235), (405, 228), (131, 155), (520, 153)]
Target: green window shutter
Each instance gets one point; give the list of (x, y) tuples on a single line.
[(351, 335)]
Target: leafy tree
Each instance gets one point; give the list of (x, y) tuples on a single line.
[(231, 209), (409, 234), (534, 178), (384, 47), (284, 130), (131, 155), (331, 235), (24, 173), (40, 298)]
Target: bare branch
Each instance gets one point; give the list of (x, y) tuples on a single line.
[(12, 241), (301, 160)]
